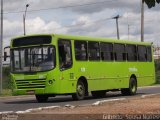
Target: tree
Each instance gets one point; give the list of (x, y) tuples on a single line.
[(151, 3)]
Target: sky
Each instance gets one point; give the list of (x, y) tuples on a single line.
[(84, 18)]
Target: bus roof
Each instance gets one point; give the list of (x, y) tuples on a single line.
[(88, 38), (99, 39)]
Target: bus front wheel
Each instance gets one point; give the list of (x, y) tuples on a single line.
[(80, 91), (41, 98), (132, 88)]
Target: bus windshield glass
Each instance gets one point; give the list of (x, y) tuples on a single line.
[(33, 59)]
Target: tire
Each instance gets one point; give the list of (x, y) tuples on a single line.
[(98, 94), (132, 88), (41, 98), (80, 91)]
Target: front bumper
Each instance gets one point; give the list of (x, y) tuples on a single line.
[(28, 91)]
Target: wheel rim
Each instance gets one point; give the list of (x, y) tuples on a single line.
[(80, 90), (133, 88)]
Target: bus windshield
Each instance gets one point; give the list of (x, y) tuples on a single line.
[(32, 59)]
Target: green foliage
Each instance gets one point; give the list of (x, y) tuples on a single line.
[(7, 84), (6, 71), (6, 92), (151, 3), (157, 65), (157, 69)]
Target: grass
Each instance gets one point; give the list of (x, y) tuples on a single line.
[(158, 77), (6, 92)]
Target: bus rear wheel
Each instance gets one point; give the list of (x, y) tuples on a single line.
[(80, 91), (132, 88), (41, 98), (98, 94)]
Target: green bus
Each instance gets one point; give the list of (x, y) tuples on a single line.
[(53, 64)]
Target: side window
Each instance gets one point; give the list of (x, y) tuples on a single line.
[(131, 52), (142, 53), (80, 50), (106, 51), (149, 53), (93, 51), (119, 50), (65, 55)]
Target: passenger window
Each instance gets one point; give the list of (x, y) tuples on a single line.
[(131, 52), (65, 55), (106, 51), (80, 50), (119, 50), (149, 54), (142, 53), (93, 51)]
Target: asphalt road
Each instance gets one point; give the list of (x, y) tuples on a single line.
[(27, 102)]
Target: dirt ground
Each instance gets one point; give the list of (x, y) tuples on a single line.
[(147, 108)]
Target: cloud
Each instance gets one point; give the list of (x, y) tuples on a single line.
[(38, 25), (84, 6), (83, 17), (33, 26), (11, 5)]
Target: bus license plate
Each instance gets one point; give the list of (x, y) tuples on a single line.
[(30, 92)]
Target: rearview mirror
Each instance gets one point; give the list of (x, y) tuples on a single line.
[(5, 53), (5, 56)]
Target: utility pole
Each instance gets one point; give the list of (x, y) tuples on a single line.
[(24, 19), (24, 26), (128, 31), (128, 25), (1, 47), (116, 17), (142, 21)]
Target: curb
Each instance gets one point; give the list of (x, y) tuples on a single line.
[(97, 103), (154, 86), (150, 95)]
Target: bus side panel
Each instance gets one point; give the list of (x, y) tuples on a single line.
[(115, 75), (146, 73), (102, 75)]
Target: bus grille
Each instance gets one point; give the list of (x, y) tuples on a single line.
[(33, 83)]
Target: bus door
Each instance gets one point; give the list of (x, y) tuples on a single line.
[(65, 59)]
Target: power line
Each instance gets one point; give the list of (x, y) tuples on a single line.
[(60, 7)]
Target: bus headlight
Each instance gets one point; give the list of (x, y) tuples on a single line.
[(50, 82)]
